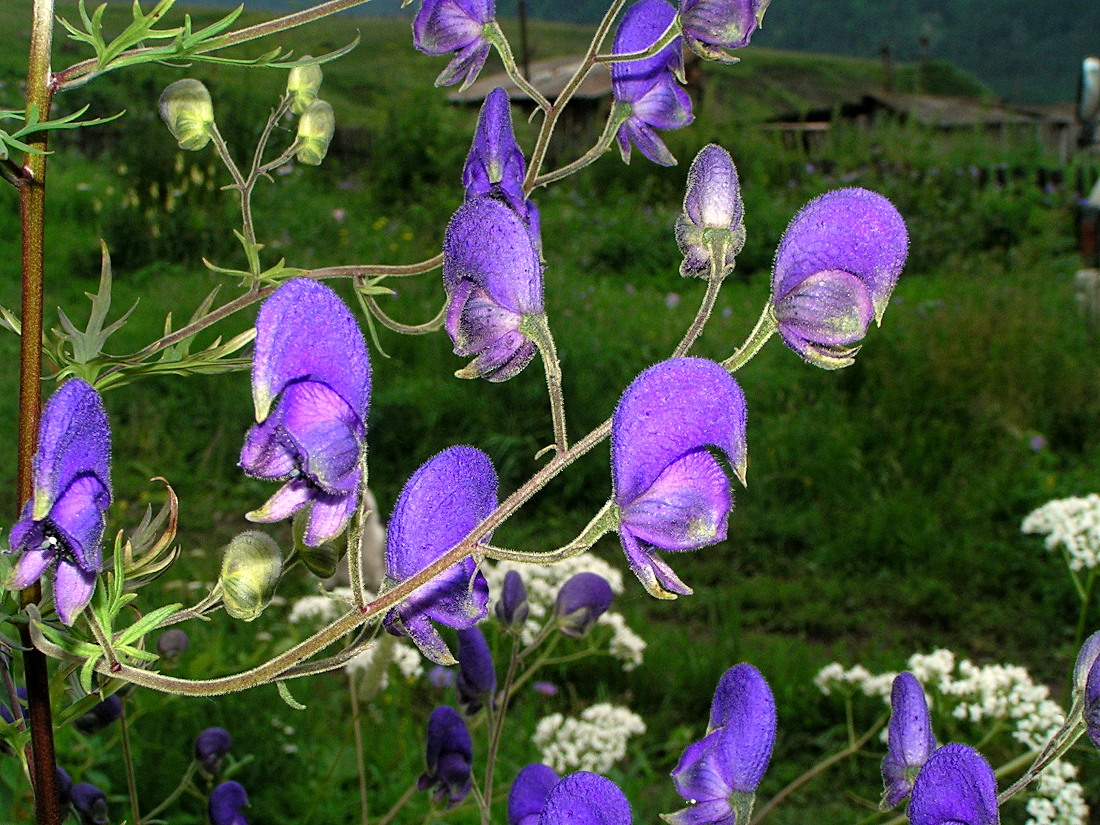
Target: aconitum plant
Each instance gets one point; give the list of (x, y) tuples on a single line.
[(500, 625)]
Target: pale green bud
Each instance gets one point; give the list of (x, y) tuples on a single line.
[(188, 113), (302, 85), (321, 561), (250, 570), (315, 128)]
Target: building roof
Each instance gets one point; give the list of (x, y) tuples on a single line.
[(548, 76)]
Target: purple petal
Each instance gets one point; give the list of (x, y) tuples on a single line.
[(465, 65), (72, 589), (581, 601), (329, 515), (699, 776), (448, 755), (1092, 702), (267, 453), (477, 678), (848, 229), (664, 106), (910, 735), (226, 801), (711, 812), (78, 518), (654, 574), (713, 197), (712, 25), (584, 798), (527, 796), (674, 408), (443, 26), (31, 565), (641, 26), (504, 359), (284, 503), (304, 332), (685, 508), (73, 440), (325, 433), (823, 316), (1088, 654), (956, 786), (495, 159), (476, 322), (487, 243)]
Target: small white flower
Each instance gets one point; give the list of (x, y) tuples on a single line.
[(593, 742)]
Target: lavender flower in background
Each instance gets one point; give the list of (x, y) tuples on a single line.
[(493, 278), (527, 796), (718, 775), (581, 601), (646, 91), (62, 525), (449, 757), (311, 363), (172, 643), (91, 804), (956, 786), (100, 716), (226, 801), (834, 271), (713, 221), (477, 680), (442, 502), (586, 798), (910, 739), (64, 785), (443, 26), (672, 494), (512, 608), (211, 746), (711, 27)]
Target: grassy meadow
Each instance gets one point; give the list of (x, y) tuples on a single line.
[(884, 501)]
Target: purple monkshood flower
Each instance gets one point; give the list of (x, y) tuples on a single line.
[(100, 716), (581, 601), (449, 756), (1086, 658), (210, 746), (956, 786), (226, 801), (443, 26), (527, 796), (495, 165), (311, 389), (477, 680), (712, 26), (63, 522), (493, 278), (91, 803), (64, 785), (443, 501), (512, 608), (1092, 702), (646, 90), (910, 739), (584, 798), (834, 271), (672, 494), (713, 219), (718, 775)]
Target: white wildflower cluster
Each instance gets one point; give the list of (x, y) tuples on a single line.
[(984, 694), (1072, 524), (594, 742), (543, 581)]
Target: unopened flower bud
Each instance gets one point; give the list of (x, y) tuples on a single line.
[(210, 746), (302, 85), (90, 802), (581, 601), (172, 643), (512, 609), (100, 716), (225, 804), (250, 570), (477, 679), (321, 560), (188, 113), (64, 784), (315, 128), (711, 229)]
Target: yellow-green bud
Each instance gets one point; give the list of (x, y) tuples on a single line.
[(302, 85), (315, 128), (250, 570), (186, 109), (320, 561)]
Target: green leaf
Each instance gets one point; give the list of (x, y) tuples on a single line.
[(147, 623), (86, 671)]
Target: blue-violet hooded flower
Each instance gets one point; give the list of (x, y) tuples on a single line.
[(647, 89), (493, 277), (527, 796), (311, 390), (443, 501), (585, 798), (91, 804), (443, 26), (713, 221), (956, 786), (477, 679), (63, 522), (718, 775), (711, 27), (582, 599), (226, 801), (449, 756), (1092, 702), (835, 268), (910, 740), (672, 494)]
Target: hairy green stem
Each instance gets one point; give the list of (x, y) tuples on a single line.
[(128, 762), (615, 118), (714, 285), (177, 793), (405, 329), (360, 763), (398, 805), (495, 35), (765, 326), (670, 34), (537, 329), (496, 726)]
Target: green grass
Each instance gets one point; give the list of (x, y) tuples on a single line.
[(884, 504)]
